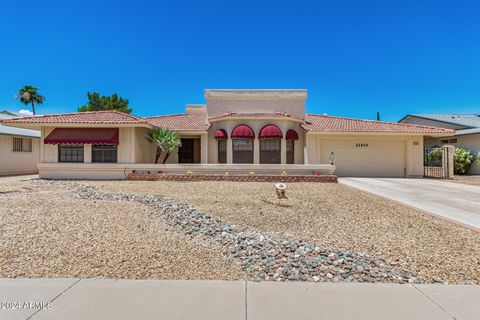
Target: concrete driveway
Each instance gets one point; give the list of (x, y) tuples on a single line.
[(454, 201)]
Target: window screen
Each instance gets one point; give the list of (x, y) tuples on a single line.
[(22, 144), (70, 153), (222, 151), (104, 153)]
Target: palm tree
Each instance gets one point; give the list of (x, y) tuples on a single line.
[(167, 141), (29, 95)]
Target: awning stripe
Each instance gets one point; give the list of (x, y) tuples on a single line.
[(83, 136)]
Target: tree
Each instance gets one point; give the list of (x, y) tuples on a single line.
[(29, 95), (96, 102), (167, 141)]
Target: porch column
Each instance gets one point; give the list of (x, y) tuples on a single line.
[(283, 151), (87, 153), (204, 148), (256, 151), (306, 159), (42, 146), (229, 151)]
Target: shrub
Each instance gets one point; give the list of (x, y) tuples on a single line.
[(435, 157), (478, 158), (462, 160)]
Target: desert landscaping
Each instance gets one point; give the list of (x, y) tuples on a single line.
[(225, 230)]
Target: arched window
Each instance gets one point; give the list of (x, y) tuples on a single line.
[(291, 136), (270, 144), (242, 144), (221, 136)]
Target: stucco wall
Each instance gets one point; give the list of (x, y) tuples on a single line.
[(144, 149), (18, 162), (374, 155), (256, 125), (219, 107), (127, 151)]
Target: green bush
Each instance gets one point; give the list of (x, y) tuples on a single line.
[(462, 160), (435, 157), (478, 158)]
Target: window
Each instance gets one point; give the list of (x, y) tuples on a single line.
[(290, 151), (242, 150), (70, 153), (270, 151), (450, 141), (222, 151), (22, 144), (104, 153)]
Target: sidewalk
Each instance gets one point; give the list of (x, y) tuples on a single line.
[(172, 299)]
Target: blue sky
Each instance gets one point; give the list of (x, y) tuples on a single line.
[(354, 57)]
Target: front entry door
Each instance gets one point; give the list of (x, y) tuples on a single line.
[(186, 151)]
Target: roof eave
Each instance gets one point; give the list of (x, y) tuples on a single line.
[(361, 133), (223, 118), (38, 126), (436, 120)]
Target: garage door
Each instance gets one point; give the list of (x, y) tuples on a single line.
[(366, 158)]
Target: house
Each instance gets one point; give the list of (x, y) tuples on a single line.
[(466, 126), (19, 148), (236, 131)]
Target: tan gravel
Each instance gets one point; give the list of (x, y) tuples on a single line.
[(46, 233), (335, 216), (471, 180)]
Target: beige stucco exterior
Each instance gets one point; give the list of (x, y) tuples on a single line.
[(220, 102), (356, 154), (257, 125), (18, 162)]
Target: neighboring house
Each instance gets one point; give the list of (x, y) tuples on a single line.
[(249, 130), (19, 148), (466, 126)]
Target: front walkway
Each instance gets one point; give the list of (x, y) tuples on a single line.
[(171, 299), (453, 201)]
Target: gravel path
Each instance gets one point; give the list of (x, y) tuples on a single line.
[(334, 216), (471, 180)]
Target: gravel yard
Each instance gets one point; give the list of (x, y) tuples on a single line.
[(335, 216), (47, 233), (471, 180)]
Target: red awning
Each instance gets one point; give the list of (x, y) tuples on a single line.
[(83, 136), (243, 131), (270, 131), (221, 134), (291, 135)]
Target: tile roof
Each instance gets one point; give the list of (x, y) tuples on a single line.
[(254, 115), (198, 122), (180, 122), (92, 117), (323, 123)]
